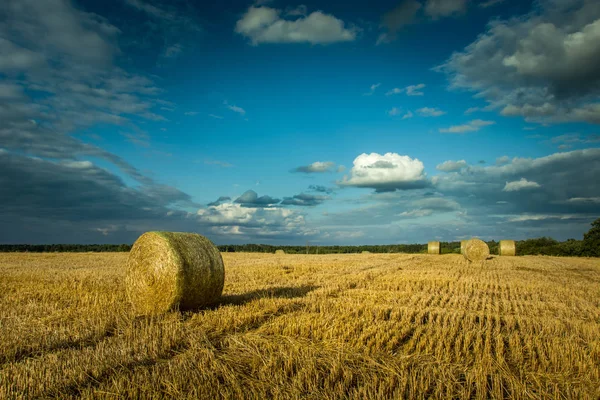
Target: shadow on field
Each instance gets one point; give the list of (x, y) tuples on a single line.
[(285, 292)]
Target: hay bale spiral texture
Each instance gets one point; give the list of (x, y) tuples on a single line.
[(463, 243), (173, 270), (476, 250), (508, 248), (434, 248)]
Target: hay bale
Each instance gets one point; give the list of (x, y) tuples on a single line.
[(463, 243), (434, 248), (476, 250), (173, 270), (366, 252), (279, 251), (507, 248)]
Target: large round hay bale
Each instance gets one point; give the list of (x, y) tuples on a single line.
[(507, 248), (279, 251), (366, 252), (463, 243), (173, 270), (476, 250), (434, 248)]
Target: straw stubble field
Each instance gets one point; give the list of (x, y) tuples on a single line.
[(315, 327)]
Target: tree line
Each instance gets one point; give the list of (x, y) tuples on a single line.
[(588, 247)]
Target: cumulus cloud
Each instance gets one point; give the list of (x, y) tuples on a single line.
[(430, 112), (451, 166), (522, 184), (407, 115), (60, 75), (250, 199), (242, 223), (266, 25), (471, 126), (316, 167), (304, 199), (541, 66), (220, 200), (387, 172)]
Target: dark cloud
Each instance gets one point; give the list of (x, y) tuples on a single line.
[(220, 200), (304, 199), (321, 189), (444, 8), (404, 14), (250, 199), (558, 178), (541, 66), (316, 167)]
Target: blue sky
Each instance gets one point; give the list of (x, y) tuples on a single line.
[(329, 122)]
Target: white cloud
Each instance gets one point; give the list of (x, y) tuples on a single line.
[(411, 90), (521, 184), (386, 172), (408, 115), (451, 166), (414, 90), (235, 108), (190, 113), (231, 218), (394, 111), (539, 217), (416, 213), (430, 112), (502, 160), (215, 116), (471, 126), (394, 91), (265, 25)]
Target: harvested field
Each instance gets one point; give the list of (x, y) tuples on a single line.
[(306, 326)]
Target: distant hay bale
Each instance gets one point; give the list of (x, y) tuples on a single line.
[(434, 248), (463, 243), (279, 251), (507, 248), (476, 250), (173, 270), (366, 252)]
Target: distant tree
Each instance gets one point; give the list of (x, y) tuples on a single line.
[(591, 240)]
